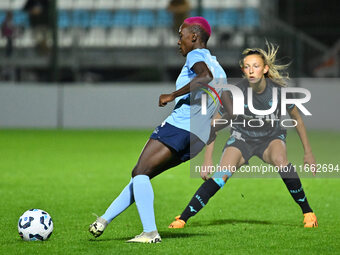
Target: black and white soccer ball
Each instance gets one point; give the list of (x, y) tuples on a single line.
[(35, 225)]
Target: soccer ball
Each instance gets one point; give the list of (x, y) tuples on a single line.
[(35, 224)]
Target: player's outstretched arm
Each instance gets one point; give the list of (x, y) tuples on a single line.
[(219, 122), (208, 161), (227, 102), (208, 156), (203, 77), (209, 150), (301, 130)]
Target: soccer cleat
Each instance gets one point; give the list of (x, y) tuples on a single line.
[(310, 220), (146, 237), (178, 223), (97, 228)]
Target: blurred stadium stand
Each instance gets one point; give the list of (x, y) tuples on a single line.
[(123, 34)]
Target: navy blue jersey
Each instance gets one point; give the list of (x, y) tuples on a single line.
[(255, 126)]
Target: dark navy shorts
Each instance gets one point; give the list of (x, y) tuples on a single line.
[(251, 147), (184, 143)]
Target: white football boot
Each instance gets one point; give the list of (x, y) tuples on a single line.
[(146, 237), (97, 228)]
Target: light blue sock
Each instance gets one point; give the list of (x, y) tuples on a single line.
[(123, 201), (143, 194)]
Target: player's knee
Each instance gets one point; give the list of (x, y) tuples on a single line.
[(279, 160), (139, 170)]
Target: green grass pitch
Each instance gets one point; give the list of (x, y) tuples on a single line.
[(71, 174)]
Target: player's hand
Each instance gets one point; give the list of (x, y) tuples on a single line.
[(206, 169), (164, 99), (212, 136), (309, 160)]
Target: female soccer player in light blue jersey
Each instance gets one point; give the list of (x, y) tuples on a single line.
[(175, 140)]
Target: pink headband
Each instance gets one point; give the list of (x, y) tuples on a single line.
[(202, 22)]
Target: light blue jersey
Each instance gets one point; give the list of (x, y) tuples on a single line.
[(187, 113)]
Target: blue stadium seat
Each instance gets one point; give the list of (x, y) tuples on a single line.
[(20, 18), (2, 16), (193, 13), (251, 17), (122, 18), (229, 17), (164, 18), (81, 18), (101, 18), (64, 20), (144, 18), (211, 16)]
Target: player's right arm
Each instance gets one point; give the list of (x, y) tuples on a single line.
[(208, 161), (225, 115), (203, 77), (209, 150)]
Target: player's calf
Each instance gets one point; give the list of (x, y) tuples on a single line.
[(198, 201)]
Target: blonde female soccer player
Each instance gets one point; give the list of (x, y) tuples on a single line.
[(268, 142)]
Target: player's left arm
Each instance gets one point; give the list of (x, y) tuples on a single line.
[(203, 77), (301, 130)]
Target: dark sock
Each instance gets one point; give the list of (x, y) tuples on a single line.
[(200, 199), (293, 184)]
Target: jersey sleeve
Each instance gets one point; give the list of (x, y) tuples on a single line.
[(194, 57)]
